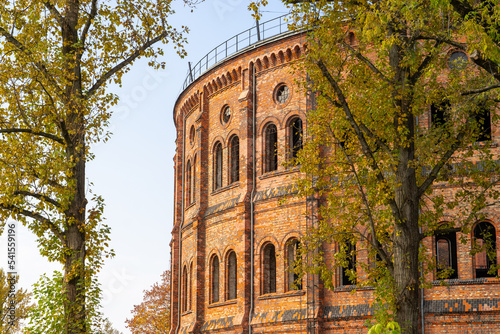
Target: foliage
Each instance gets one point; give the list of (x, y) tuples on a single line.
[(391, 328), (386, 175), (108, 328), (152, 316), (21, 302), (56, 60)]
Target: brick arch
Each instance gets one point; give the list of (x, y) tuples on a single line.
[(258, 65), (219, 83), (218, 139), (266, 62), (233, 132), (266, 121), (296, 52), (234, 75), (214, 86), (281, 57), (288, 54), (294, 234), (228, 249), (223, 80), (291, 115), (213, 252), (229, 78), (273, 59), (265, 240)]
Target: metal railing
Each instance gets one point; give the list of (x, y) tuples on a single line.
[(236, 43)]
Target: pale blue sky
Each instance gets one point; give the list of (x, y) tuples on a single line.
[(134, 170)]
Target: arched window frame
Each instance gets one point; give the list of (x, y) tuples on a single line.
[(214, 279), (450, 237), (293, 282), (188, 183), (483, 119), (218, 166), (295, 136), (190, 282), (487, 256), (193, 183), (184, 290), (268, 268), (270, 148), (351, 265), (231, 276), (234, 159)]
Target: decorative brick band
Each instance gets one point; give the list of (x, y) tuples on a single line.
[(231, 203), (279, 316), (217, 323), (275, 192)]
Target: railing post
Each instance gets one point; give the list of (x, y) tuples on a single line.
[(190, 72), (226, 49), (237, 43)]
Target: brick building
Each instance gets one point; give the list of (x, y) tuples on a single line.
[(238, 118)]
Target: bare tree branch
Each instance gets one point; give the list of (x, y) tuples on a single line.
[(39, 196), (55, 12), (36, 217), (124, 63), (36, 133), (368, 63), (481, 90), (93, 13)]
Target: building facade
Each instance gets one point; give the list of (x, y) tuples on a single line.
[(237, 223)]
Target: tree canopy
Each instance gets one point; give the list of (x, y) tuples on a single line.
[(399, 139), (57, 59)]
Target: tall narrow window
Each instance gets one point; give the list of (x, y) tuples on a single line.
[(294, 281), (446, 255), (190, 282), (232, 279), (193, 186), (215, 280), (234, 159), (271, 148), (184, 288), (483, 119), (217, 166), (440, 113), (295, 137), (485, 240), (346, 277), (269, 269), (188, 183)]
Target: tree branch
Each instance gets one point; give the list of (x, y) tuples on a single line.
[(92, 15), (481, 90), (37, 133), (37, 217), (38, 196), (367, 62), (364, 145), (55, 12), (124, 63), (427, 60), (41, 67)]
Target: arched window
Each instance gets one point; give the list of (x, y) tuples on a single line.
[(295, 133), (190, 282), (217, 166), (193, 185), (188, 183), (184, 288), (214, 280), (485, 241), (269, 269), (346, 278), (234, 159), (270, 148), (446, 255), (232, 279), (293, 257)]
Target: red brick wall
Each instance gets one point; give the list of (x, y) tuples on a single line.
[(218, 221)]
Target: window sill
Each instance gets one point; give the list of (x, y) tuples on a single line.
[(224, 303), (186, 313), (279, 173), (281, 295), (190, 206), (455, 281), (231, 186), (353, 287)]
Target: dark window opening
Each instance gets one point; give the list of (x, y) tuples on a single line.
[(188, 183), (295, 137), (483, 120), (446, 255), (226, 114), (271, 148), (232, 279), (184, 301), (485, 241), (351, 265), (218, 166), (234, 159), (215, 280), (293, 259), (269, 269), (190, 287), (440, 113)]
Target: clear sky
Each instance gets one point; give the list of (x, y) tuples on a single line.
[(134, 170)]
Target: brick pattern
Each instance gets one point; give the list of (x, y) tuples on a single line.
[(218, 221)]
